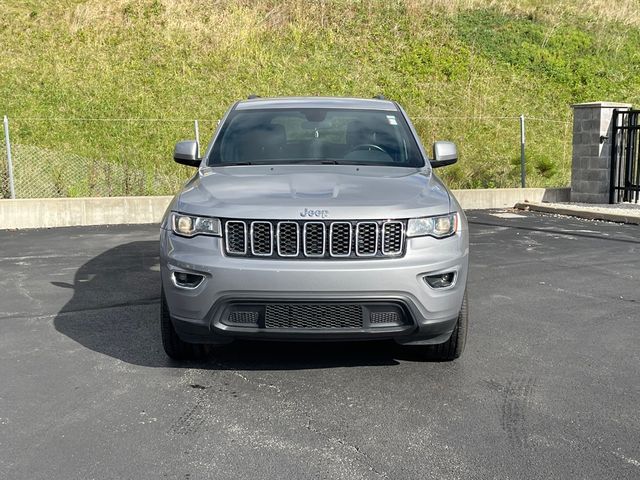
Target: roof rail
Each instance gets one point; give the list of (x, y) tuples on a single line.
[(380, 97), (252, 96)]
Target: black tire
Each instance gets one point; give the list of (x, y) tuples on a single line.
[(453, 348), (173, 345)]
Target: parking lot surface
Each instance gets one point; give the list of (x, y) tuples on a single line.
[(549, 386)]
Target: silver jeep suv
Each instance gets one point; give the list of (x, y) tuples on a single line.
[(314, 219)]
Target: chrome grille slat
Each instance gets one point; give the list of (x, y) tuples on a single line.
[(288, 239), (340, 238), (366, 239), (261, 234), (235, 235), (392, 237), (315, 239)]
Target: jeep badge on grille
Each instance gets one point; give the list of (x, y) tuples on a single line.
[(318, 213)]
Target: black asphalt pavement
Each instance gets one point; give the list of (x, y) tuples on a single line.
[(549, 386)]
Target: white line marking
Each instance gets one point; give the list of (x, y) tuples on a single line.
[(508, 215)]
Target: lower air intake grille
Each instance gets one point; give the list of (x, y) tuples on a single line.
[(243, 317), (385, 317), (313, 316)]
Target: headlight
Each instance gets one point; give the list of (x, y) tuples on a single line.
[(439, 227), (190, 226)]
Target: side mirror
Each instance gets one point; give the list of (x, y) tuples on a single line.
[(186, 153), (444, 153)]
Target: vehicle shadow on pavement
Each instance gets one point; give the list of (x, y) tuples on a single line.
[(114, 311)]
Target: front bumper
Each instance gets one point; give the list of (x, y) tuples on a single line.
[(429, 315)]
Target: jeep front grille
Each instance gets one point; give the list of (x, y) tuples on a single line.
[(315, 239), (309, 315)]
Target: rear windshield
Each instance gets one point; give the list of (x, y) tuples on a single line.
[(315, 135)]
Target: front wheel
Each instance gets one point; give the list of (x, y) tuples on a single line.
[(173, 345), (453, 348)]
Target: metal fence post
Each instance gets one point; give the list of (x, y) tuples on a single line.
[(197, 130), (614, 157), (523, 171), (12, 189)]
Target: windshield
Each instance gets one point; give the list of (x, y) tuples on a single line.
[(315, 135)]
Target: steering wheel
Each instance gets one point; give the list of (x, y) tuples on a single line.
[(368, 146)]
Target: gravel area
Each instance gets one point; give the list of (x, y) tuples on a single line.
[(621, 208), (620, 212)]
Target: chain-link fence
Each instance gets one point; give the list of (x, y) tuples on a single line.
[(72, 157), (83, 157), (490, 153), (41, 172)]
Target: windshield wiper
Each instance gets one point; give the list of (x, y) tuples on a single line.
[(312, 161), (301, 161), (319, 161)]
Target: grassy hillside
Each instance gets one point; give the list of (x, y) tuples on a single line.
[(464, 69)]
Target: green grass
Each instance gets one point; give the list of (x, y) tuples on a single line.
[(455, 67)]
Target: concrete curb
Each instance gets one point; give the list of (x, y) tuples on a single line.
[(484, 198), (66, 212), (580, 213)]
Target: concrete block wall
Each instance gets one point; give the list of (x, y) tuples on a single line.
[(592, 141)]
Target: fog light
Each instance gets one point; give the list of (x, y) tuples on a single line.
[(186, 280), (441, 280)]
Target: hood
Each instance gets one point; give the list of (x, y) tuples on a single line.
[(295, 192)]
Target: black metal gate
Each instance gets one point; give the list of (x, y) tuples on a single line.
[(625, 157)]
